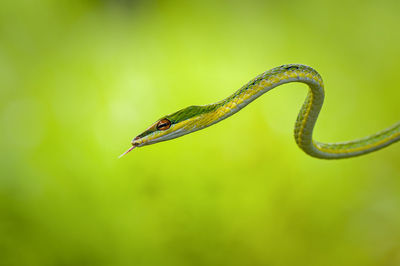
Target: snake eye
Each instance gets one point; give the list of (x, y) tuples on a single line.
[(163, 124)]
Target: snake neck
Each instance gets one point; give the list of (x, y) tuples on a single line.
[(266, 82)]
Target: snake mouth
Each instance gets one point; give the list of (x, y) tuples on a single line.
[(137, 142)]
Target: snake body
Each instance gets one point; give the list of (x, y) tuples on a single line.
[(194, 118)]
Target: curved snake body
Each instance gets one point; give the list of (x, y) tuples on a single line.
[(194, 118)]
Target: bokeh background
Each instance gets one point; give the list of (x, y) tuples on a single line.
[(80, 79)]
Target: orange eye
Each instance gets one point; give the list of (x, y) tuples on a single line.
[(163, 124)]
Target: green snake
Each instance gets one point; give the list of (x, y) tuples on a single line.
[(194, 118)]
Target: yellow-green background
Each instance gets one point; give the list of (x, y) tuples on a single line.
[(80, 79)]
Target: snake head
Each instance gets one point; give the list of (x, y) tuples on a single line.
[(171, 126), (163, 129)]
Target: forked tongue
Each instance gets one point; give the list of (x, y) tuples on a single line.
[(131, 148)]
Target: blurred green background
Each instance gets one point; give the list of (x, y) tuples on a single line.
[(80, 79)]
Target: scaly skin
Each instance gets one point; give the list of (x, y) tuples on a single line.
[(194, 118)]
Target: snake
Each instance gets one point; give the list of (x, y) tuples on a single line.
[(197, 117)]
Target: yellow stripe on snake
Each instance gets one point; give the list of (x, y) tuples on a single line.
[(194, 118)]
